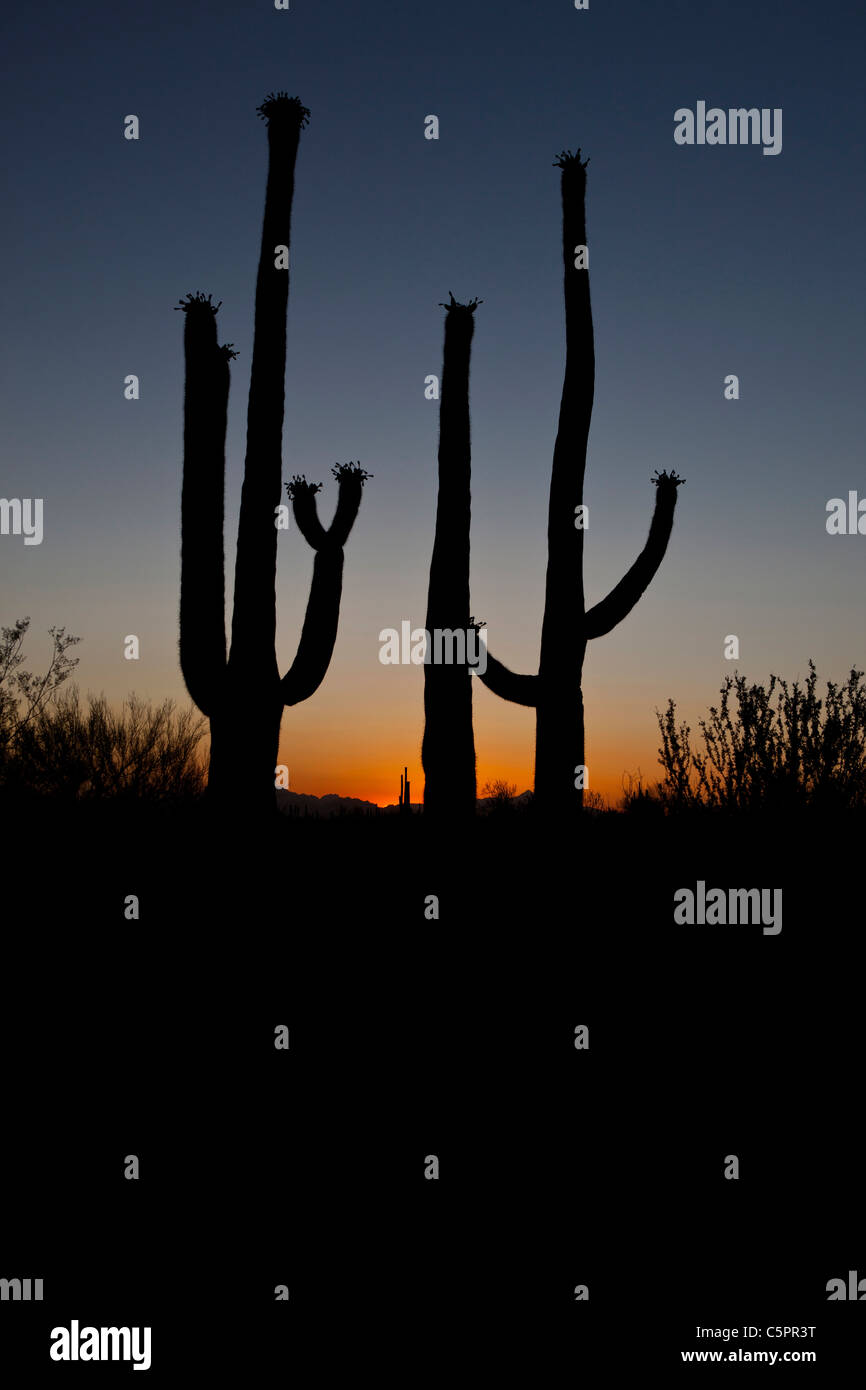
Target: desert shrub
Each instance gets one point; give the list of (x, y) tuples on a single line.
[(797, 750)]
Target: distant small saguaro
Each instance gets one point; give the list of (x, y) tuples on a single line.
[(405, 802)]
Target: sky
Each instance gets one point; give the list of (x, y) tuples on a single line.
[(705, 261)]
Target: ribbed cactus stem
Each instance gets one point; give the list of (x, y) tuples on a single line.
[(202, 590), (255, 612), (448, 747)]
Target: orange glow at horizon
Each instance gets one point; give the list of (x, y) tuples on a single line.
[(325, 763), (367, 723), (383, 789)]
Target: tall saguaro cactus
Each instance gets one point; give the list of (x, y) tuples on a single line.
[(555, 691), (243, 695), (448, 747)]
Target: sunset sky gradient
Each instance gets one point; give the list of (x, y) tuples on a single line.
[(703, 262)]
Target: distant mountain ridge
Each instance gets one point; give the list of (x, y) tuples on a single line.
[(332, 804)]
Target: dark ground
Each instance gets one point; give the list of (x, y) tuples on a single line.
[(411, 1037)]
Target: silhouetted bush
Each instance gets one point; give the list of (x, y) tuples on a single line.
[(143, 751), (499, 794), (639, 800), (50, 745), (23, 695), (800, 751)]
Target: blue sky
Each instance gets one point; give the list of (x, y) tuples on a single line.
[(703, 262)]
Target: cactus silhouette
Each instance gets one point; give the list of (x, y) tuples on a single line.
[(242, 693), (556, 691), (448, 747), (405, 801)]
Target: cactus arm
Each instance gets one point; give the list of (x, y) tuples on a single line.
[(520, 690), (351, 478), (202, 567), (303, 499), (319, 632), (606, 615)]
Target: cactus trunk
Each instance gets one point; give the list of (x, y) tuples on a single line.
[(448, 747), (559, 736), (254, 621)]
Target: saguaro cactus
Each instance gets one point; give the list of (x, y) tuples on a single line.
[(243, 696), (555, 691), (448, 748)]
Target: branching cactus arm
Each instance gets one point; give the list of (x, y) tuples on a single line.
[(520, 690), (202, 570), (603, 617), (319, 632)]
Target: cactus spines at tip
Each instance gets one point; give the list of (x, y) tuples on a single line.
[(242, 693), (571, 163), (448, 747), (279, 106), (468, 308), (556, 691)]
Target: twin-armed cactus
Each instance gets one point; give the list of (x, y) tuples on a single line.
[(448, 748), (243, 694), (555, 691)]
